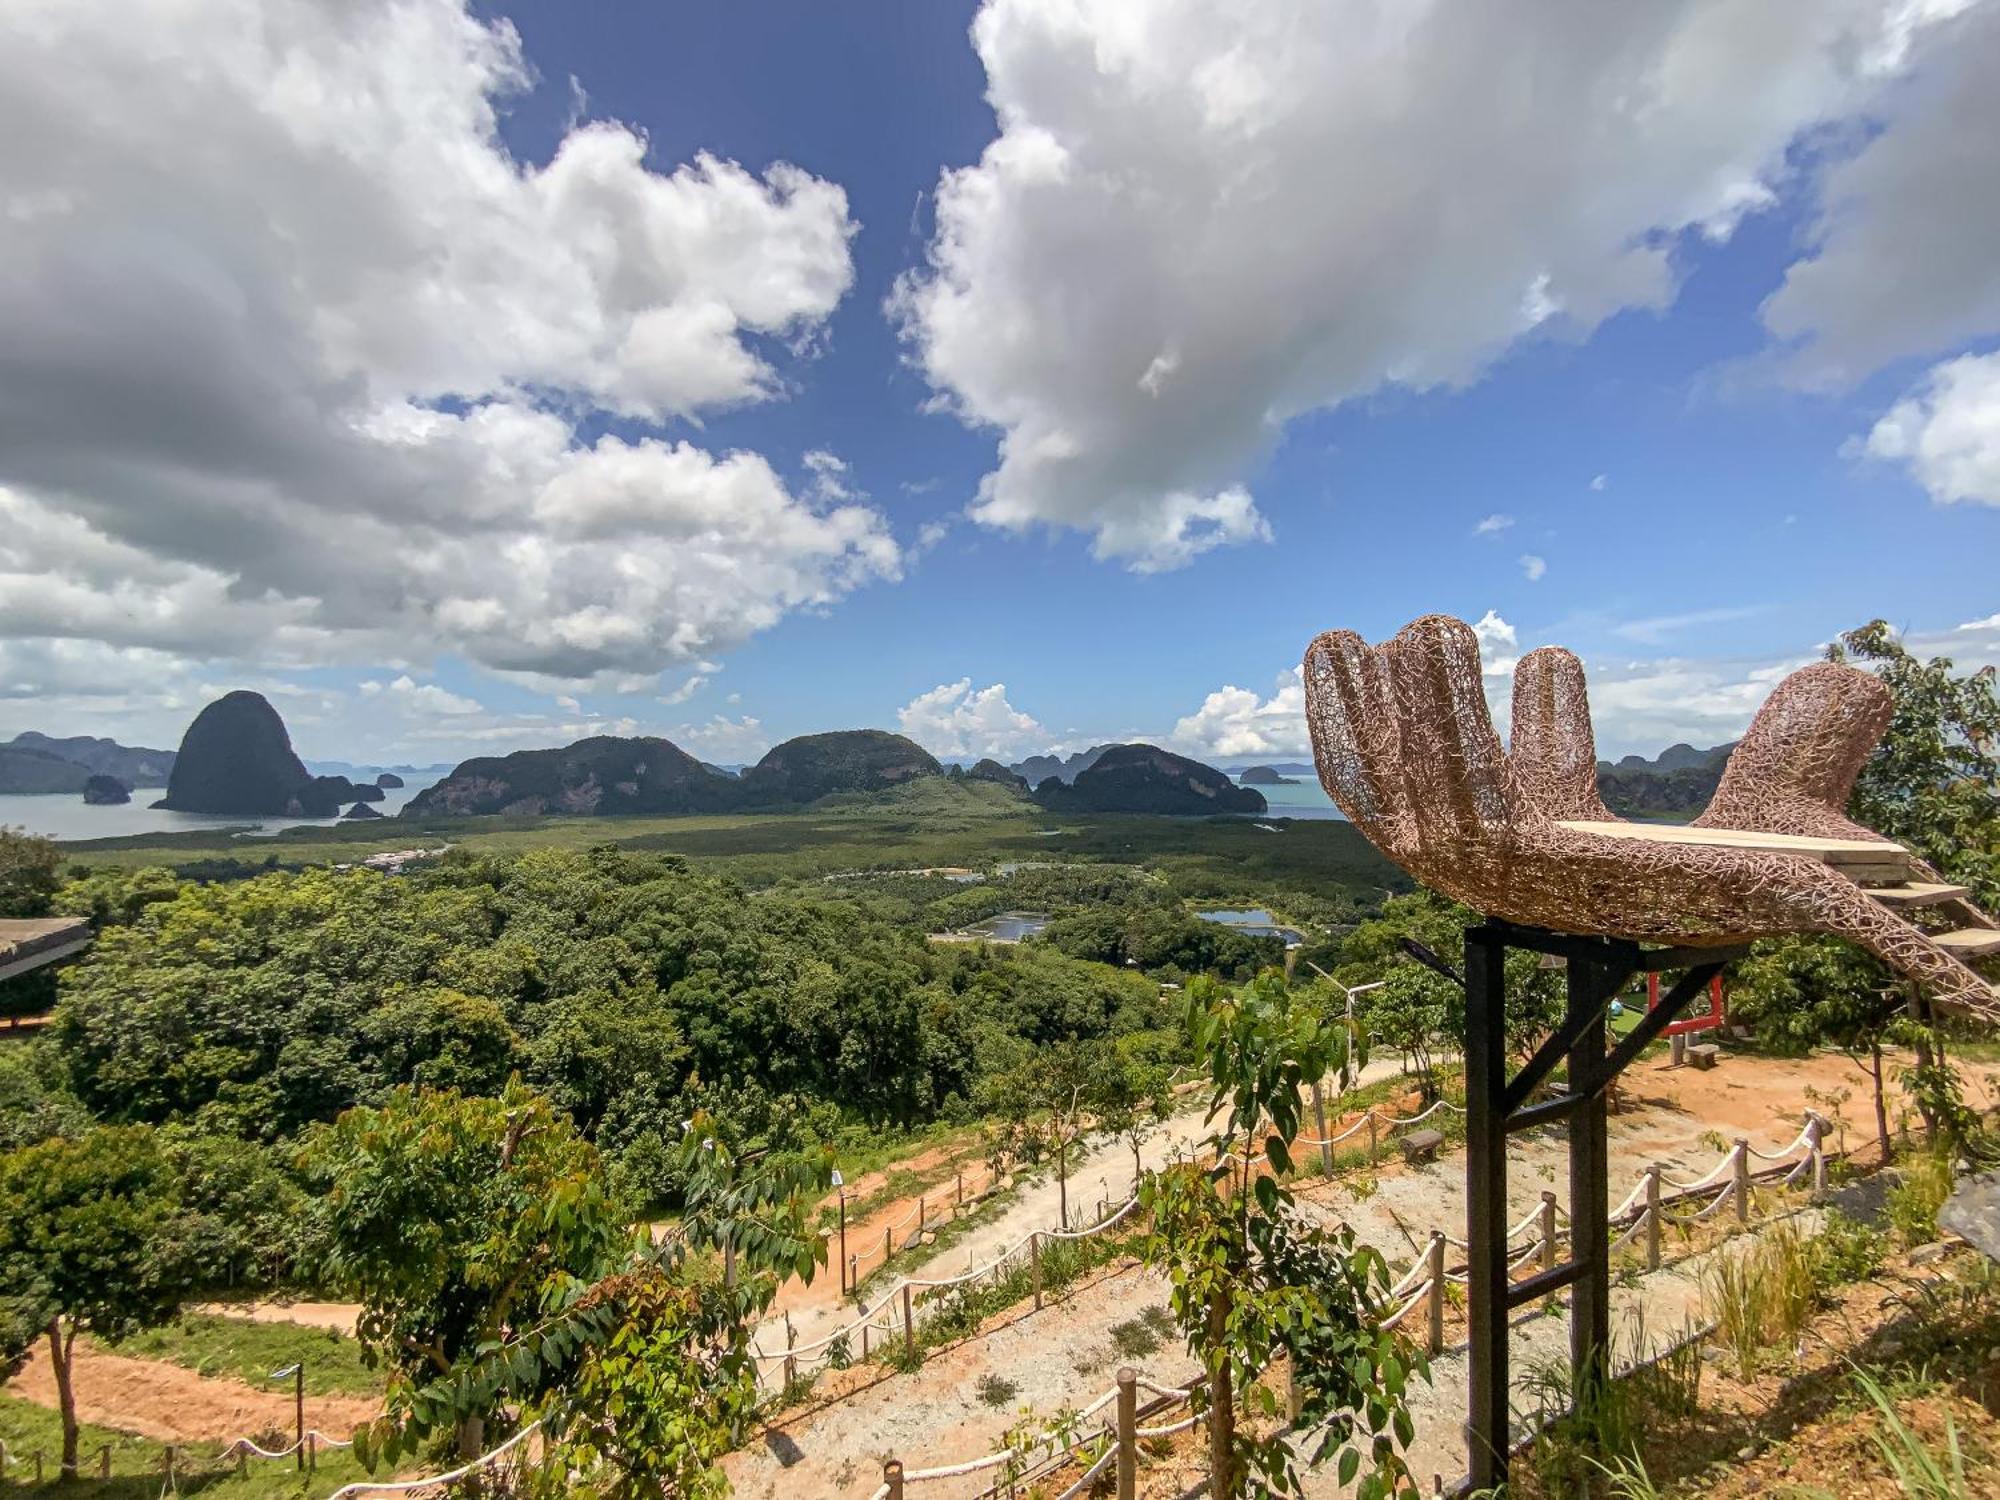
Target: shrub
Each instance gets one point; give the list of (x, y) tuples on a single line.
[(1913, 1203), (1845, 1250)]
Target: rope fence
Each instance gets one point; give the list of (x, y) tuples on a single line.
[(1646, 1209)]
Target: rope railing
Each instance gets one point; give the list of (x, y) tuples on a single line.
[(787, 1365), (1423, 1285), (453, 1476), (1071, 1438)]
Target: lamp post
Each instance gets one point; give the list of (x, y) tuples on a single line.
[(840, 1184), (1351, 990), (297, 1373)]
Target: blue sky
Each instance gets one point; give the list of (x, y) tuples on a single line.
[(1644, 382)]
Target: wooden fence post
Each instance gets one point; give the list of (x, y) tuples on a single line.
[(909, 1325), (961, 1188), (1035, 1265), (923, 1217), (1816, 1143), (1742, 1181), (892, 1478), (1653, 1217), (853, 1273), (104, 1462), (1128, 1433), (888, 1244), (1319, 1114), (1435, 1339), (1374, 1151)]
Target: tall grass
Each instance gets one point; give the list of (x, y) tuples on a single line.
[(1764, 1295), (1920, 1472)]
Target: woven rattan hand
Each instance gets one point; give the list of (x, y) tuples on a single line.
[(1406, 748)]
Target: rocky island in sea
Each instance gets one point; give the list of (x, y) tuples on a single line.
[(237, 757)]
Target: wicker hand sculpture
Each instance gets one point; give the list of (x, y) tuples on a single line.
[(1406, 748)]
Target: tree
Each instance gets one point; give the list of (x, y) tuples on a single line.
[(30, 873), (1418, 1011), (1804, 992), (1253, 1279), (87, 1245), (451, 1219), (644, 1376), (1934, 781)]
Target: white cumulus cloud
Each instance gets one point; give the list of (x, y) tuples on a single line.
[(1948, 431), (956, 720), (1533, 568), (1200, 219), (297, 352)]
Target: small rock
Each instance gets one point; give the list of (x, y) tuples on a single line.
[(1745, 1454), (1923, 1255)]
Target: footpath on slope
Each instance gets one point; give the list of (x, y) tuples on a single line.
[(172, 1404), (934, 1418), (1100, 1169)]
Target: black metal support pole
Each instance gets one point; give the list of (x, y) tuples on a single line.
[(1589, 1179), (1486, 1428)]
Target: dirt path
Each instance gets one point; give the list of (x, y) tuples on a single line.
[(338, 1316), (172, 1404), (1101, 1169), (1063, 1355)]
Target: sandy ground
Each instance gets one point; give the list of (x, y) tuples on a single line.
[(1062, 1355), (172, 1404), (338, 1316)]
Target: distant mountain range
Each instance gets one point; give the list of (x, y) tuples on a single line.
[(237, 757), (1037, 769), (1676, 782), (32, 762), (1147, 779)]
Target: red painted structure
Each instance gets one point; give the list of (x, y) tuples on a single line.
[(1716, 1015)]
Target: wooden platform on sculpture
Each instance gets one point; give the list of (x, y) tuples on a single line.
[(1743, 838), (1875, 862)]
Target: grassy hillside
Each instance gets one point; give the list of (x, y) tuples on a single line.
[(929, 822)]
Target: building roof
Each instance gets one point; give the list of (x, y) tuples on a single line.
[(28, 943)]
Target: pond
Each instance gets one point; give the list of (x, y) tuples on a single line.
[(1254, 922), (1009, 926)]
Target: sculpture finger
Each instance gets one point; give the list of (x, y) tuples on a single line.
[(1552, 746), (1794, 770)]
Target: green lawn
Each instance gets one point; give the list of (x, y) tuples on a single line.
[(138, 1464), (249, 1352)]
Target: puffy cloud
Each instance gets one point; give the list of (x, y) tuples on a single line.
[(954, 720), (1499, 645), (1199, 220), (1598, 482), (723, 740), (1948, 431), (1532, 567), (297, 353), (1901, 258), (1492, 525), (1233, 723)]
